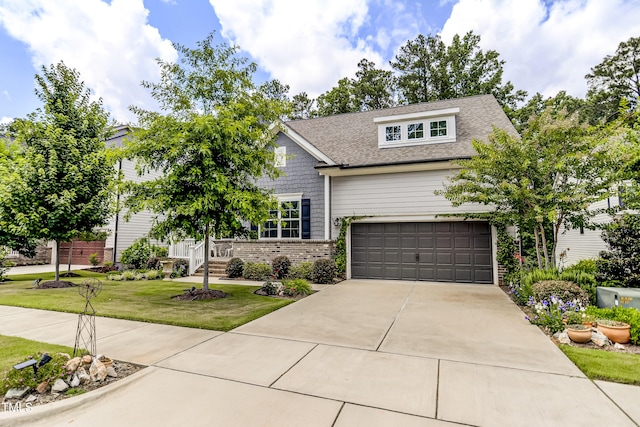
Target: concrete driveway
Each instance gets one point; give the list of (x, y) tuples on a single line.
[(361, 353)]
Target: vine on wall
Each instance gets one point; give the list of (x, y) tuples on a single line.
[(341, 243)]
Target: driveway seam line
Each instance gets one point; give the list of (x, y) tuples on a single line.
[(613, 401), (292, 366), (437, 388), (187, 349), (335, 420), (395, 319)]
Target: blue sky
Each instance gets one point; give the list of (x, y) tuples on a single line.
[(547, 45)]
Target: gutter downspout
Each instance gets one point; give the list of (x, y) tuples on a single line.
[(115, 232)]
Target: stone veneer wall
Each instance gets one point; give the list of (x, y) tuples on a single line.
[(296, 250), (43, 256)]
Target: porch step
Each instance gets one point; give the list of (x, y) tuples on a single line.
[(217, 268)]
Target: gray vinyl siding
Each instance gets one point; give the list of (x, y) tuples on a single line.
[(300, 177), (578, 246), (406, 193)]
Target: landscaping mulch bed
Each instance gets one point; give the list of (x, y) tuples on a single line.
[(51, 284), (199, 295)]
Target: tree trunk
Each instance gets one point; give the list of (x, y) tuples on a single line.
[(205, 280), (544, 247), (536, 233), (69, 258), (57, 260)]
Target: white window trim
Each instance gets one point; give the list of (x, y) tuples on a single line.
[(282, 198), (426, 138)]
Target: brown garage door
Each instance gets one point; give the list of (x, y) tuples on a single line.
[(437, 251)]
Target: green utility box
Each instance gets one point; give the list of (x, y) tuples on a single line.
[(617, 297)]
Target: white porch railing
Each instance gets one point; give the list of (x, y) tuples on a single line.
[(191, 250), (10, 253)]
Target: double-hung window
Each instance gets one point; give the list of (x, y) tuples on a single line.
[(285, 222)]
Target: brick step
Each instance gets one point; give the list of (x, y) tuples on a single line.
[(217, 268)]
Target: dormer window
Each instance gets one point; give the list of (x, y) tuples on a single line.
[(429, 127)]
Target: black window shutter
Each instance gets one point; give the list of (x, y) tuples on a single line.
[(306, 218)]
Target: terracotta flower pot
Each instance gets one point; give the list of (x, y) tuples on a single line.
[(578, 333), (620, 334)]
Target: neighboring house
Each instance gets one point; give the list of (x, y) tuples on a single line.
[(577, 244), (383, 167)]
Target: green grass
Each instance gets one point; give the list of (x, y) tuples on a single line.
[(605, 365), (15, 350), (147, 301)]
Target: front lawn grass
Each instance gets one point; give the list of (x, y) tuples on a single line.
[(145, 300), (15, 350), (605, 365)]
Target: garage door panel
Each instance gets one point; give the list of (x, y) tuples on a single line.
[(447, 251)]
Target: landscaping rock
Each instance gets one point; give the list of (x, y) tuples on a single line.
[(97, 371), (600, 339), (73, 364), (112, 372), (619, 346), (31, 398), (43, 387), (83, 376), (59, 386), (87, 359), (75, 381), (562, 337), (65, 355), (16, 393)]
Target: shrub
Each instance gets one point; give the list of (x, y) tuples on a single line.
[(154, 274), (50, 371), (561, 289), (621, 314), (584, 265), (108, 264), (550, 313), (180, 267), (129, 275), (93, 259), (159, 251), (4, 264), (114, 277), (272, 288), (137, 254), (304, 270), (620, 265), (280, 266), (153, 263), (586, 281), (296, 287), (523, 290), (256, 271), (235, 267), (324, 270)]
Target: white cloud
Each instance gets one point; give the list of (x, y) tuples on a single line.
[(547, 48), (6, 94), (5, 120), (308, 45), (110, 44)]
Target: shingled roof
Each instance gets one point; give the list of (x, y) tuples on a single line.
[(352, 139)]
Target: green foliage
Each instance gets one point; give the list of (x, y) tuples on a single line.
[(584, 266), (324, 270), (137, 254), (136, 275), (256, 271), (153, 274), (549, 177), (507, 251), (129, 275), (620, 314), (605, 365), (153, 263), (235, 268), (159, 251), (296, 287), (304, 270), (371, 89), (180, 267), (614, 80), (116, 277), (280, 266), (341, 243), (550, 313), (60, 186), (583, 280), (620, 265), (108, 264), (429, 70), (562, 289), (210, 144), (51, 371), (4, 264), (93, 259)]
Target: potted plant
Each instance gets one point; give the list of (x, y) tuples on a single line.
[(619, 332), (579, 333)]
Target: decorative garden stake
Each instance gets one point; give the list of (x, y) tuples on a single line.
[(86, 332)]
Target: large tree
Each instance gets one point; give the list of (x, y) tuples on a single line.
[(371, 89), (550, 176), (615, 79), (61, 186), (429, 70), (210, 142)]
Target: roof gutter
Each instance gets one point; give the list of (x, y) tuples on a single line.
[(394, 167)]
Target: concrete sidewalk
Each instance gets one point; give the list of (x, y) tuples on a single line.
[(360, 353)]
